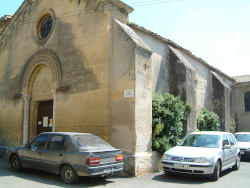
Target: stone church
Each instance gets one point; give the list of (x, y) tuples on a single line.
[(80, 66)]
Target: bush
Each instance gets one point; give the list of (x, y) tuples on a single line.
[(168, 115), (208, 121)]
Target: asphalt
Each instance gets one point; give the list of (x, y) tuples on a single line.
[(39, 179)]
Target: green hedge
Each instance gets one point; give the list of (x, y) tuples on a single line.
[(208, 121), (168, 115)]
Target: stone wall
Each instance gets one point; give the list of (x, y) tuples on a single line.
[(179, 72), (221, 101), (238, 106), (132, 116), (80, 43)]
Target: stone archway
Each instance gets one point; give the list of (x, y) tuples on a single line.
[(43, 62)]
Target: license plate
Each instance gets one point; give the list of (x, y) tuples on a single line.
[(108, 170), (242, 152), (183, 166)]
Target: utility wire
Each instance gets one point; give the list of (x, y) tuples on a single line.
[(92, 10), (152, 2)]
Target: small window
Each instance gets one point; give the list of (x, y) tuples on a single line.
[(57, 142), (247, 101), (46, 27), (43, 26), (40, 142)]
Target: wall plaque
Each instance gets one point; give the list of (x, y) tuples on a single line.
[(129, 93)]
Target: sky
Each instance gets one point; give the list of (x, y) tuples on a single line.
[(217, 31)]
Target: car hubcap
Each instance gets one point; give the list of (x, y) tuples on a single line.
[(68, 174), (15, 164)]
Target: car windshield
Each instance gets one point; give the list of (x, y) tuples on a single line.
[(91, 142), (242, 137), (201, 140)]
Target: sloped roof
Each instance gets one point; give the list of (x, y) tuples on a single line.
[(134, 36), (242, 79), (181, 57), (175, 45)]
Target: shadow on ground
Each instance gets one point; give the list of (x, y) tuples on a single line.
[(187, 179), (51, 178)]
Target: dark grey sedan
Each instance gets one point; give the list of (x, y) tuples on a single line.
[(69, 154)]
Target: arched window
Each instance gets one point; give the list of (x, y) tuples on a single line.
[(247, 101)]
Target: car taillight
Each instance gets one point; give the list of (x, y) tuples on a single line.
[(90, 161), (119, 157)]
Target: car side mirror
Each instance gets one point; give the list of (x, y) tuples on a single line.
[(227, 147)]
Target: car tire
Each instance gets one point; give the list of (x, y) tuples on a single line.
[(237, 163), (15, 162), (69, 175), (216, 174)]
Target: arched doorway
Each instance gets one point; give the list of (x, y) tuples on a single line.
[(41, 85), (41, 78)]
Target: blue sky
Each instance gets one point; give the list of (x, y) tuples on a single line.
[(215, 30)]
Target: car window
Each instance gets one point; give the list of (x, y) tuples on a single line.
[(242, 137), (91, 141), (225, 140), (201, 140), (40, 141), (231, 139), (57, 142)]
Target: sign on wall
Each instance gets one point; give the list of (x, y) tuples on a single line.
[(129, 93), (45, 121)]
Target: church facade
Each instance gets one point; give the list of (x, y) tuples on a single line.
[(79, 66)]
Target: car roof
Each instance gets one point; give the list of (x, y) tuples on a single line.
[(67, 133), (211, 132), (242, 133)]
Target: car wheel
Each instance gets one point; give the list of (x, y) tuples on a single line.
[(237, 163), (15, 163), (69, 175), (216, 174)]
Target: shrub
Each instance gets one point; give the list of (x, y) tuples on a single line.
[(168, 115), (233, 124), (208, 121)]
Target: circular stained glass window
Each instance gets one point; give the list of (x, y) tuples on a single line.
[(46, 27)]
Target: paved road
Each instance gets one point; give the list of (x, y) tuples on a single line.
[(38, 179)]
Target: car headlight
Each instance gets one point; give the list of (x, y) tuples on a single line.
[(201, 160), (166, 157)]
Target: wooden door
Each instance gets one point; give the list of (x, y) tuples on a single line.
[(45, 115)]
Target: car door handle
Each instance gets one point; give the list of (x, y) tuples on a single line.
[(60, 154)]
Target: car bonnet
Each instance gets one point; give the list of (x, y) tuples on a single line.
[(191, 152)]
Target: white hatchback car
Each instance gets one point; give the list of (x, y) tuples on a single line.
[(203, 153), (243, 139)]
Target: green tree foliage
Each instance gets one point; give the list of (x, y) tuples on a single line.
[(168, 115), (208, 121)]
